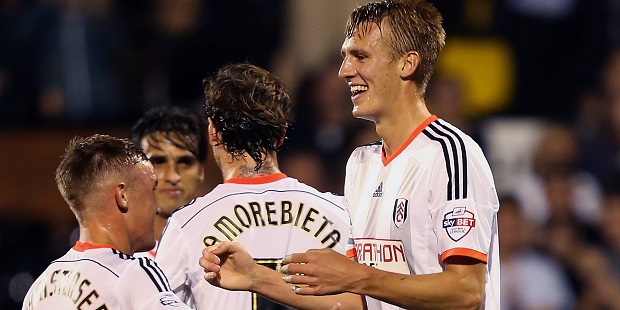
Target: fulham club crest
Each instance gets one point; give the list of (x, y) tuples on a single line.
[(458, 223), (399, 215)]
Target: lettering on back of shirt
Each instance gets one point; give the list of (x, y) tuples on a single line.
[(255, 214), (70, 284)]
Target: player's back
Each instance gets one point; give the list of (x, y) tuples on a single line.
[(99, 277), (271, 216)]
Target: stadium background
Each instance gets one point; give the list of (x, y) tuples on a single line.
[(510, 70)]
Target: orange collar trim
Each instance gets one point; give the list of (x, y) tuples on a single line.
[(412, 136), (258, 180), (83, 246)]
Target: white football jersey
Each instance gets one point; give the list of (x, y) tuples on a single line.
[(433, 198), (100, 277), (271, 216)]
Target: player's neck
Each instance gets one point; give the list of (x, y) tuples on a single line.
[(160, 224), (395, 128), (105, 235), (245, 167)]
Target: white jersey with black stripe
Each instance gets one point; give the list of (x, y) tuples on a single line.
[(271, 216), (433, 198), (100, 277)]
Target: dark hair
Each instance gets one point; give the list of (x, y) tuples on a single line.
[(250, 108), (178, 125), (87, 161), (412, 25)]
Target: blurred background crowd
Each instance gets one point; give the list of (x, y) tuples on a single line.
[(535, 82)]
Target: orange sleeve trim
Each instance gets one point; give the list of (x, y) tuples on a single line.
[(351, 253), (464, 252), (412, 136), (258, 180), (83, 246)]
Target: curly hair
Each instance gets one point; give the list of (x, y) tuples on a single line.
[(178, 125), (412, 25), (88, 161), (250, 108)]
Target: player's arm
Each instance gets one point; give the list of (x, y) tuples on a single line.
[(459, 286), (229, 266)]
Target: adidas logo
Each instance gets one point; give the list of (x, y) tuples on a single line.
[(379, 191)]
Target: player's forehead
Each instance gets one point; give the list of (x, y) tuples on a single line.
[(160, 142), (145, 171), (365, 37)]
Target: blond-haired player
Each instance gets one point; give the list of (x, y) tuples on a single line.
[(108, 184), (422, 200)]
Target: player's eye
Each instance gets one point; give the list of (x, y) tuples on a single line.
[(186, 160), (360, 57), (157, 160)]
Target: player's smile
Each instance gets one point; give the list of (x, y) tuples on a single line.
[(357, 91)]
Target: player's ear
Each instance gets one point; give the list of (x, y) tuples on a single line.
[(409, 63), (212, 134), (281, 141), (120, 193)]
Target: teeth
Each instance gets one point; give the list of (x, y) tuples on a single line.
[(358, 89)]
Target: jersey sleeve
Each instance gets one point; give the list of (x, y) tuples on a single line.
[(350, 250), (173, 259), (464, 206), (350, 170), (143, 285)]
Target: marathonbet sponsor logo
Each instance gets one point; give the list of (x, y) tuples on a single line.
[(458, 223), (388, 255)]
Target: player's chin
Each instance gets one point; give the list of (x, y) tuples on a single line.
[(361, 114), (147, 245), (167, 208), (360, 109)]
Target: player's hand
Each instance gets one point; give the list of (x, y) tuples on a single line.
[(319, 272), (228, 265), (210, 263)]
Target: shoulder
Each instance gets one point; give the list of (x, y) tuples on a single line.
[(143, 285), (307, 190), (366, 152), (445, 134), (189, 210), (104, 261), (452, 144), (199, 203), (143, 271)]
